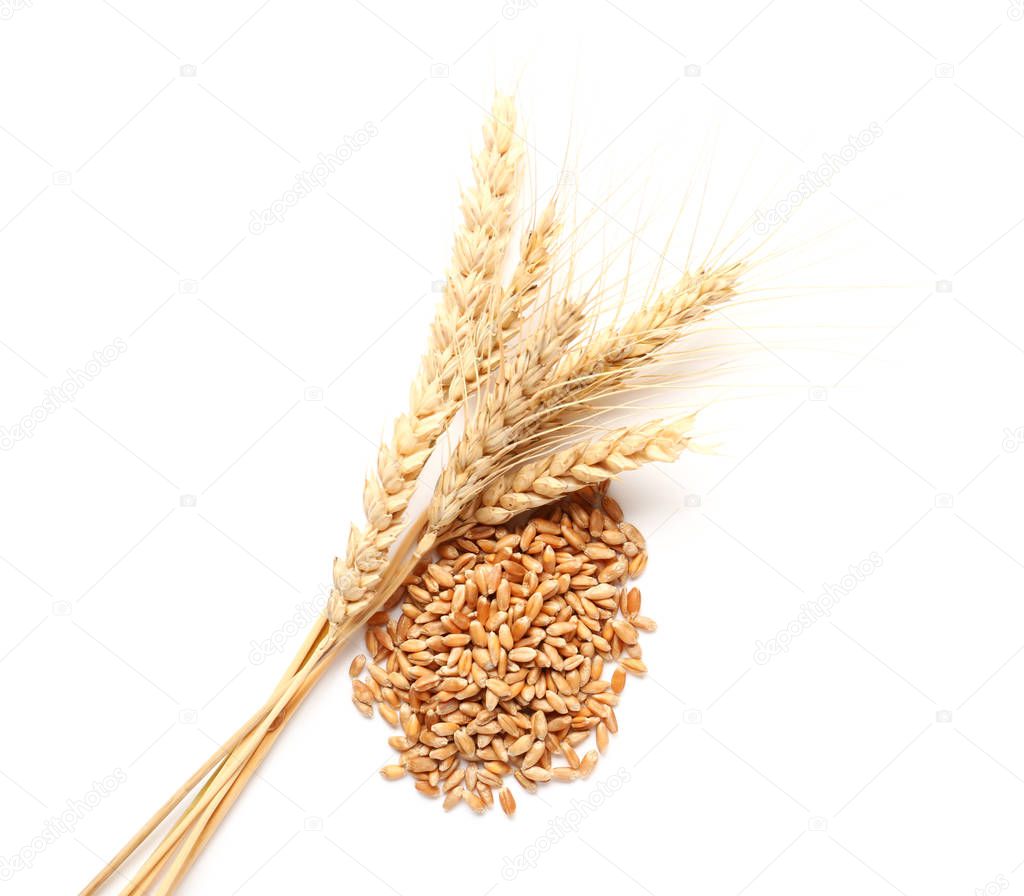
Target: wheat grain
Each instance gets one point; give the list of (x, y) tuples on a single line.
[(588, 763), (508, 802), (618, 681), (636, 666)]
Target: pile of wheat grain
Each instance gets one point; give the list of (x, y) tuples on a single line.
[(493, 666)]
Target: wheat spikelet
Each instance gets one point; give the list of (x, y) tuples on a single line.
[(581, 464), (537, 252)]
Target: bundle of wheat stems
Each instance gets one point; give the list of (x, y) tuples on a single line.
[(526, 362)]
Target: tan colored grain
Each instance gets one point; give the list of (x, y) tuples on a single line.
[(645, 624), (618, 680), (636, 666), (508, 802), (427, 789), (588, 763)]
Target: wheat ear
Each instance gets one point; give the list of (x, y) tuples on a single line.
[(473, 300), (618, 350), (584, 463)]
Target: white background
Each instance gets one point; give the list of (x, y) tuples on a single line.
[(882, 753)]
